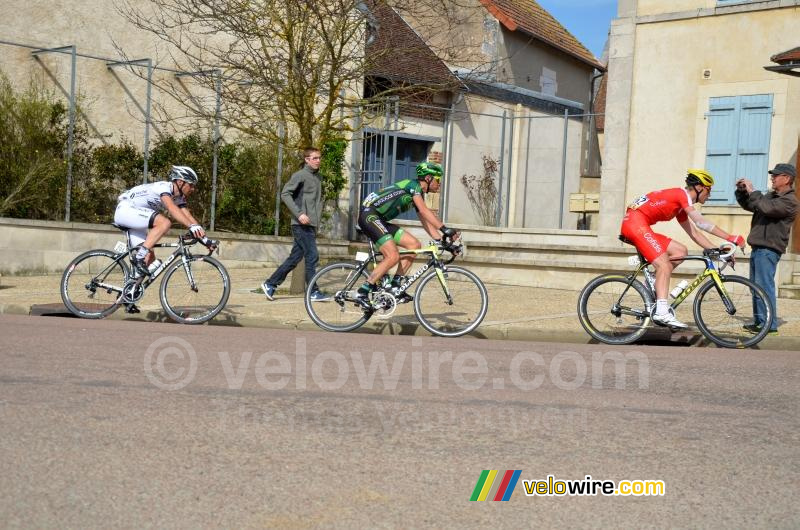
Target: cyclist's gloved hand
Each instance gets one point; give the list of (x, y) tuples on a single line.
[(197, 231), (210, 243), (736, 240), (449, 233)]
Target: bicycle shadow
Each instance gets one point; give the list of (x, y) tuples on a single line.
[(665, 337), (405, 326)]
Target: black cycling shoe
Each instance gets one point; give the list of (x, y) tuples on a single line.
[(132, 309), (362, 300), (139, 267)]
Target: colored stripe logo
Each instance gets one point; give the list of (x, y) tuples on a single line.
[(492, 486)]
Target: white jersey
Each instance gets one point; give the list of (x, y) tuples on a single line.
[(149, 196)]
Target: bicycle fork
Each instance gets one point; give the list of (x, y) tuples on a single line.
[(442, 277), (188, 270), (723, 293)]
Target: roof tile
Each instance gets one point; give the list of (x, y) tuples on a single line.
[(398, 52), (788, 56), (528, 16)]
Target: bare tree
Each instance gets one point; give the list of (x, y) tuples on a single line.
[(300, 62)]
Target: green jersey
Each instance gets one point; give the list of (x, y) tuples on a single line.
[(393, 200)]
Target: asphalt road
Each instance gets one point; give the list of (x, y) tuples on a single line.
[(130, 424)]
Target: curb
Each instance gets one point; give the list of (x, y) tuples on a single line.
[(405, 326)]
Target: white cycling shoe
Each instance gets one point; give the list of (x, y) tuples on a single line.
[(668, 319)]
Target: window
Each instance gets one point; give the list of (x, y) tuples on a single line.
[(738, 143)]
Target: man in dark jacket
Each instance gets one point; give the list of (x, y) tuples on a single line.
[(302, 194), (773, 216)]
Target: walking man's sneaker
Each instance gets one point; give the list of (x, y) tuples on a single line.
[(269, 290), (319, 296), (668, 319), (755, 328)]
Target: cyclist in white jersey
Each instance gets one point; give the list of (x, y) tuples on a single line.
[(141, 211)]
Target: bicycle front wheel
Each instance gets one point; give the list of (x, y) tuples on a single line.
[(453, 305), (91, 286), (195, 291), (614, 312), (721, 317), (338, 311)]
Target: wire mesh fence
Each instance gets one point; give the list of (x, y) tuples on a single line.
[(506, 166)]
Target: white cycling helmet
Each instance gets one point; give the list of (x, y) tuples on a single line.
[(184, 173)]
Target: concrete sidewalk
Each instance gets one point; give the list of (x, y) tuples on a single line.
[(516, 313)]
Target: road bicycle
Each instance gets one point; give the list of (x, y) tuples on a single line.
[(617, 308), (195, 288), (449, 301)]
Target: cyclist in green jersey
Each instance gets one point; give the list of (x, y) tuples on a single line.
[(384, 205)]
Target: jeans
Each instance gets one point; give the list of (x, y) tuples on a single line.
[(763, 263), (305, 246)]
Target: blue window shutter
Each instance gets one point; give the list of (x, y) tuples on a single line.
[(721, 146), (738, 142), (754, 133)]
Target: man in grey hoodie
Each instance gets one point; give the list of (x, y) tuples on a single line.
[(302, 194), (773, 216)]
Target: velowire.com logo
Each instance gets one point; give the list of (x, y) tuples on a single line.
[(492, 486)]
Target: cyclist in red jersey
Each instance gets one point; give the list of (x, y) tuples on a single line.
[(660, 250)]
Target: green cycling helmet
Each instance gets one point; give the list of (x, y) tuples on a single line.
[(429, 168)]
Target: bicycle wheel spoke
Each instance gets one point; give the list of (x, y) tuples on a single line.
[(612, 312), (202, 298), (718, 323), (92, 284), (460, 312), (338, 311)]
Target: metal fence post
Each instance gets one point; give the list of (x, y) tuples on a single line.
[(215, 147), (71, 138), (385, 178), (563, 171), (525, 185), (356, 149), (147, 117), (445, 151), (278, 178), (73, 51), (510, 166), (499, 207)]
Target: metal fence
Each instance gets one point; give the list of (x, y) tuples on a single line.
[(505, 165), (512, 168), (145, 69)]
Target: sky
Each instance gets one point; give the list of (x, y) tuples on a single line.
[(587, 20)]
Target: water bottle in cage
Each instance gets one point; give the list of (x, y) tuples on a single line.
[(675, 293)]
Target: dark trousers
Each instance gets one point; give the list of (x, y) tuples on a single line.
[(763, 264), (305, 246)]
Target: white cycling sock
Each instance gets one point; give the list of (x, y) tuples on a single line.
[(662, 307), (142, 252)]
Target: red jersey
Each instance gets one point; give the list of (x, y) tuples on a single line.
[(663, 205)]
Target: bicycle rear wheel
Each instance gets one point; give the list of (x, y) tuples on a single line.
[(91, 285), (612, 312), (339, 282), (196, 291), (452, 308), (723, 323)]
